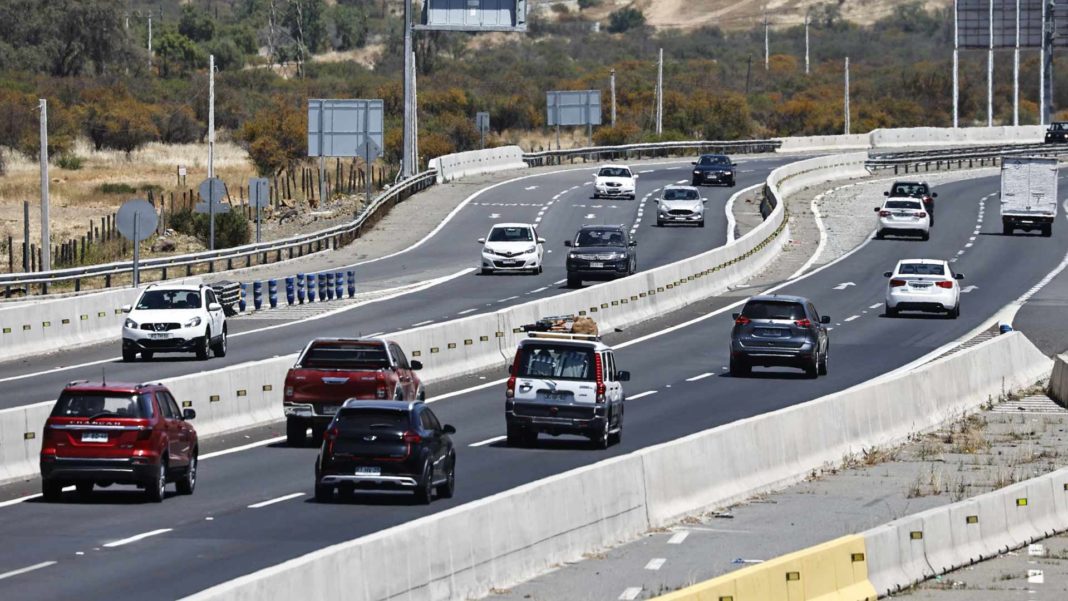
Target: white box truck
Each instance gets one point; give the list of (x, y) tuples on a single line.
[(1028, 194)]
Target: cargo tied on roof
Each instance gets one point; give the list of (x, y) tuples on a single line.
[(564, 323)]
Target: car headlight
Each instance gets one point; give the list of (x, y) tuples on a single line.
[(192, 323), (129, 323), (618, 255), (696, 172), (727, 172), (530, 250)]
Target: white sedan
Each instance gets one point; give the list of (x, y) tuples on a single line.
[(902, 215), (923, 285), (614, 181), (512, 247)]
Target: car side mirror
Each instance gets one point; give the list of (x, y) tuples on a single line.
[(416, 365), (704, 200), (886, 194), (127, 308), (733, 164), (511, 370), (876, 209), (481, 240), (188, 414), (825, 319), (635, 176), (959, 276), (541, 240), (633, 243), (693, 162), (735, 316), (214, 307), (448, 429), (623, 376), (934, 194), (887, 274), (567, 243)]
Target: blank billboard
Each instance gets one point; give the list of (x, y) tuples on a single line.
[(973, 23), (338, 128), (475, 15), (580, 107)]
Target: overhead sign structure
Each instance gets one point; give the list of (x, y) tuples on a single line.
[(974, 23), (474, 15), (582, 107), (338, 128), (482, 123), (136, 220)]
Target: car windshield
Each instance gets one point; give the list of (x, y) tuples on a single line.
[(614, 172), (921, 269), (714, 160), (784, 310), (372, 419), (680, 194), (902, 204), (511, 234), (1060, 126), (908, 190), (346, 356), (169, 299), (600, 238), (556, 362), (102, 404)]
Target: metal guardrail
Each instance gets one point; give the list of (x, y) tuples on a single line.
[(912, 161), (334, 237)]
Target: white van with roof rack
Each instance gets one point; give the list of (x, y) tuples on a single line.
[(564, 383)]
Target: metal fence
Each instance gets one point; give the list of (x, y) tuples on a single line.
[(648, 151), (937, 159)]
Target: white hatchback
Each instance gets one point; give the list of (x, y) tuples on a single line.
[(512, 247), (902, 216), (923, 285)]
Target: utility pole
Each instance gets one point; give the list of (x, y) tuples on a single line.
[(415, 119), (956, 68), (847, 95), (1046, 79), (613, 97), (990, 72), (806, 43), (660, 94), (766, 45), (46, 244), (748, 73), (1016, 71), (150, 42), (407, 168), (211, 148)]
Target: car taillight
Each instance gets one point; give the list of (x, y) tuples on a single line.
[(894, 283), (598, 368), (944, 284), (509, 392), (742, 320), (884, 213), (803, 323), (329, 437), (380, 391), (288, 392), (921, 214), (412, 437)]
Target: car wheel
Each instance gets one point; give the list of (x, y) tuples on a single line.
[(822, 369), (541, 268), (739, 368), (617, 437), (156, 487), (188, 482), (1006, 229), (600, 437), (659, 223), (573, 282), (51, 491), (448, 488), (701, 223), (424, 489), (147, 355), (220, 348), (955, 312), (204, 346), (84, 489), (812, 369), (879, 235), (128, 356), (695, 183), (891, 311), (925, 236), (1047, 231), (514, 436), (323, 493), (296, 432)]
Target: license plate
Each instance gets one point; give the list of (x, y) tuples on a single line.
[(329, 409), (368, 471), (94, 436), (770, 332), (596, 265), (509, 262), (159, 336), (921, 286)]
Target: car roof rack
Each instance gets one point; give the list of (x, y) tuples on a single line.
[(564, 336), (76, 382)]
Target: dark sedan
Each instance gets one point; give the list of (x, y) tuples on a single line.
[(386, 445), (779, 330), (600, 252), (1057, 133), (713, 169)]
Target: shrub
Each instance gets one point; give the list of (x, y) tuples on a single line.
[(584, 4), (182, 222), (69, 161), (231, 229), (625, 19), (111, 188)]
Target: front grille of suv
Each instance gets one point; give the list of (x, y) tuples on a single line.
[(159, 327)]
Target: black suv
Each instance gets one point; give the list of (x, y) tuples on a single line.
[(779, 330), (600, 252), (713, 169), (386, 445), (920, 190), (1057, 133)]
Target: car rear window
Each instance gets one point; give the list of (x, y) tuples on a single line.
[(677, 194), (903, 204), (372, 419), (556, 362), (346, 356), (774, 310), (102, 404), (921, 269)]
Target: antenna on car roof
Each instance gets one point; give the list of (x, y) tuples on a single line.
[(104, 376)]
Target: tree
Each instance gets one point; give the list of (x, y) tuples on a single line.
[(275, 137), (128, 125), (178, 125), (177, 53), (196, 24), (350, 24), (625, 19), (304, 19)]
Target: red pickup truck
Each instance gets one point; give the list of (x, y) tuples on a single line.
[(330, 371)]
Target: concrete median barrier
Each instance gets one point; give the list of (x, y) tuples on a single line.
[(955, 136), (1058, 381), (476, 162), (34, 327)]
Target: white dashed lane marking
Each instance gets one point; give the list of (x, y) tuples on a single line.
[(700, 377), (277, 500), (136, 537), (642, 394), (483, 443), (876, 306), (678, 537), (656, 563), (631, 593), (851, 318), (466, 311), (36, 566), (422, 323)]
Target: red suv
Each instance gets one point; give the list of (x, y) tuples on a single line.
[(114, 433)]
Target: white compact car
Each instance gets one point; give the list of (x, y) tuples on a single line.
[(563, 383), (512, 247), (680, 204), (900, 216), (923, 285), (174, 319), (614, 181)]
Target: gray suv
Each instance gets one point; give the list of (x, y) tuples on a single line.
[(779, 330)]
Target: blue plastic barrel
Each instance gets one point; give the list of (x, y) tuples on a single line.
[(352, 283), (300, 288), (322, 286), (290, 289), (241, 302), (311, 287), (339, 285), (257, 295), (272, 293), (330, 285)]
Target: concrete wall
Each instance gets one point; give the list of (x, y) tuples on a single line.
[(948, 136), (829, 143), (475, 162), (1058, 382)]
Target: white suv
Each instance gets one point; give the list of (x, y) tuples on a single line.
[(563, 383), (174, 319)]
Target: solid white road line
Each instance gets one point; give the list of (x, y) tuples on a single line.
[(136, 537), (36, 566), (700, 377), (656, 563), (641, 394), (678, 537), (630, 594), (876, 306), (487, 441), (245, 447), (278, 500)]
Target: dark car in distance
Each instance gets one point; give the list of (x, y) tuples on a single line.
[(600, 252), (1057, 133), (386, 445), (779, 330), (920, 190), (115, 433), (713, 169)]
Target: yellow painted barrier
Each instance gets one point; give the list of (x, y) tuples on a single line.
[(832, 571)]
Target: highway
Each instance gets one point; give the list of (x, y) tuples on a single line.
[(679, 386), (559, 203)]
